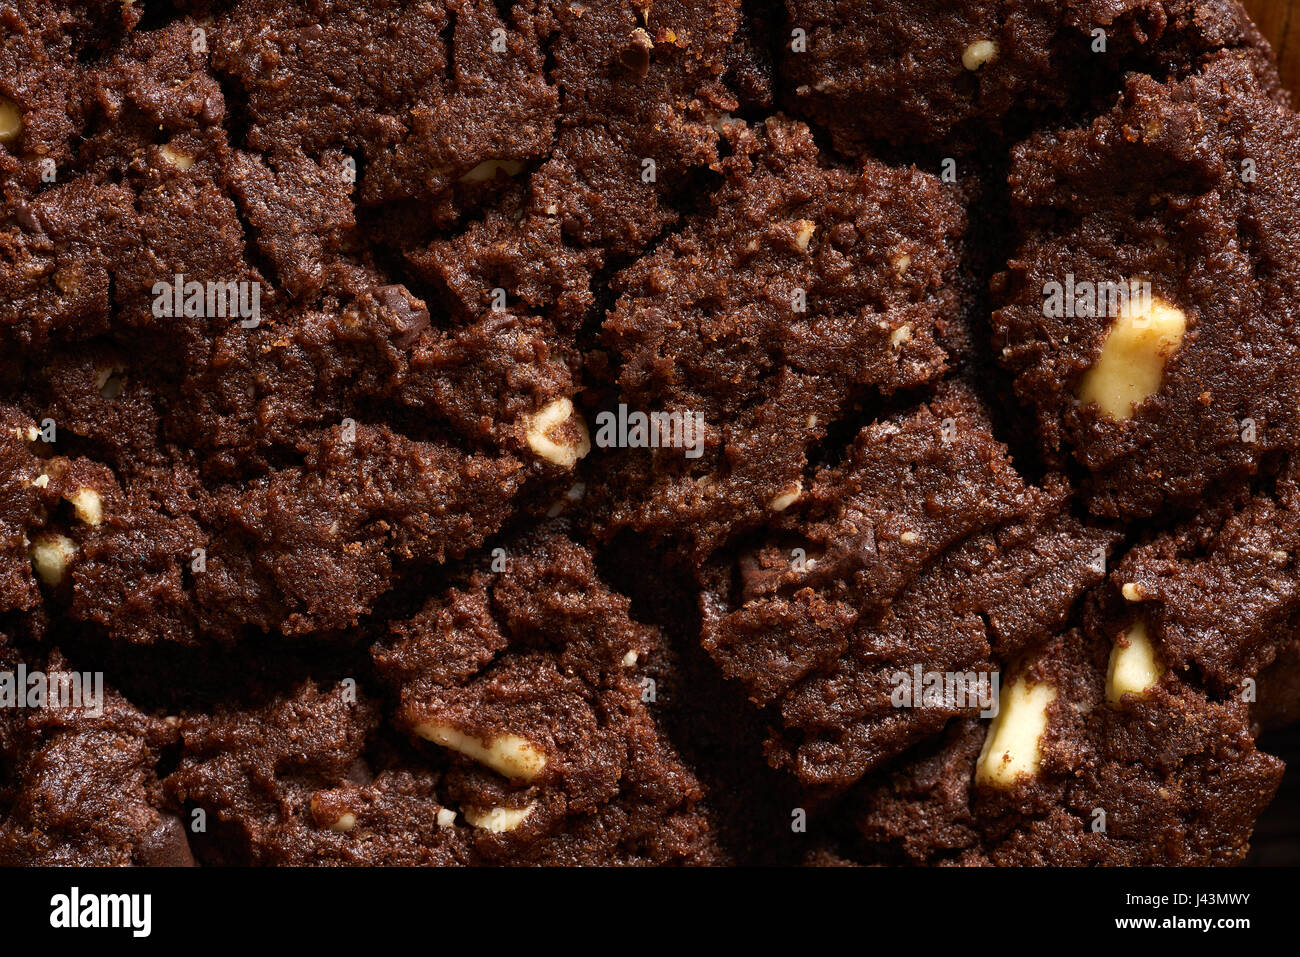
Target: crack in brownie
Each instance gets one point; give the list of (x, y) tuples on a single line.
[(799, 289), (526, 736)]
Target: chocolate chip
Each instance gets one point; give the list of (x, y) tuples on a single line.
[(636, 55), (166, 845), (27, 219), (407, 316)]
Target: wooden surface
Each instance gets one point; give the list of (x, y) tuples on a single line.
[(1280, 21)]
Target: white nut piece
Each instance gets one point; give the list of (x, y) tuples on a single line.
[(804, 229), (546, 422), (1133, 357), (1133, 666), (340, 822), (507, 754), (979, 53), (1132, 591), (176, 158), (575, 493), (11, 120), (88, 506), (1011, 748), (109, 381), (446, 817), (51, 553), (900, 335), (787, 498), (487, 170), (498, 820)]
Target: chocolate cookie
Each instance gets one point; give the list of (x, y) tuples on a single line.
[(567, 433)]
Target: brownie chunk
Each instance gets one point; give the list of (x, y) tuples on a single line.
[(1220, 598), (306, 548), (1180, 198), (301, 212), (531, 739), (651, 75), (1163, 776), (271, 782), (802, 288), (57, 252), (531, 680), (389, 84), (924, 549), (79, 783), (959, 74)]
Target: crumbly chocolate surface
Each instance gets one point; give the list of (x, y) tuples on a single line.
[(1180, 186), (560, 433), (1171, 779)]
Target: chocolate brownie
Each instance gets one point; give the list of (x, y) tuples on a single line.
[(924, 550), (1146, 317), (564, 433), (520, 732), (955, 75), (1163, 775)]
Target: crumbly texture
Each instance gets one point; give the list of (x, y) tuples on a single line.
[(1221, 593), (1176, 777), (799, 289), (1183, 186), (924, 549), (538, 652), (324, 333), (956, 75), (81, 788)]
